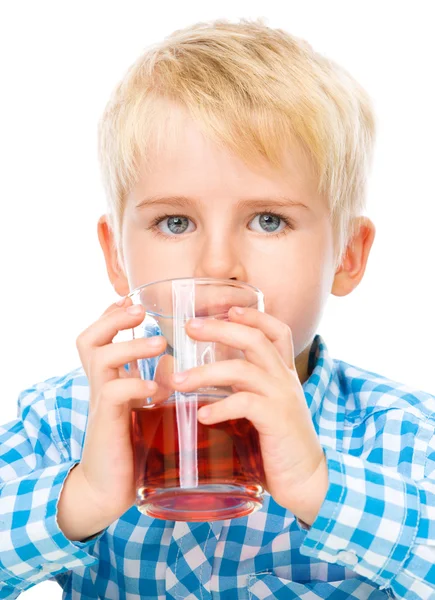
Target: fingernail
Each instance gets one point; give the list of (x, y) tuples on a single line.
[(179, 377), (121, 302), (136, 309), (238, 310), (155, 341), (204, 412), (196, 323)]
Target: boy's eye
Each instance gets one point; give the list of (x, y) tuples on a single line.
[(175, 225), (269, 222)]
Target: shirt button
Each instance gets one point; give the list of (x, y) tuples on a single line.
[(348, 557)]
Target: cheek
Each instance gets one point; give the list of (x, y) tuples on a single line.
[(299, 295), (144, 265), (300, 305), (141, 268)]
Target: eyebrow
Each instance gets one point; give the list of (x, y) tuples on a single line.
[(185, 202)]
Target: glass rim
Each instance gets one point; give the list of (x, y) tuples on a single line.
[(201, 280)]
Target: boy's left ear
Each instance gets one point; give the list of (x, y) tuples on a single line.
[(354, 263)]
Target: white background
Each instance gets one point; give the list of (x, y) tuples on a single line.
[(59, 63)]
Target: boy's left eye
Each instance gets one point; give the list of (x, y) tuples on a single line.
[(269, 221), (177, 224)]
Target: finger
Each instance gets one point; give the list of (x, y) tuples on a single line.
[(102, 331), (275, 330), (246, 405), (118, 396), (122, 302), (258, 349), (105, 362), (240, 373), (162, 377)]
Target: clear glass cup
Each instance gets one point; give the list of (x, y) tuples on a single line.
[(185, 470)]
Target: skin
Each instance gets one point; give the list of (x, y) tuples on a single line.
[(294, 270)]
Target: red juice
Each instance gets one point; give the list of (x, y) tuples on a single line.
[(226, 457)]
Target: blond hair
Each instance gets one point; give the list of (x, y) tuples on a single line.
[(253, 89)]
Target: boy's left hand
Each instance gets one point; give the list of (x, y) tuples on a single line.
[(271, 396)]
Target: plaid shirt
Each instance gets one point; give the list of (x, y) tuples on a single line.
[(374, 536)]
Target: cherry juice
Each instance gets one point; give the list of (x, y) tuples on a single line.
[(224, 460)]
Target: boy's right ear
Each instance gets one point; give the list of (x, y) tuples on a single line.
[(114, 270)]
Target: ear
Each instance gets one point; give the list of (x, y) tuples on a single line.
[(107, 242), (354, 263)]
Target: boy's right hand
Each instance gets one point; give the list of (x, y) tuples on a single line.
[(105, 473)]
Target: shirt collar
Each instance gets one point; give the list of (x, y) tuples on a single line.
[(320, 368)]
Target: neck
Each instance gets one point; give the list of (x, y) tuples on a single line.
[(301, 363)]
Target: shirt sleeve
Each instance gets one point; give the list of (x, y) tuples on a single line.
[(34, 463), (378, 522)]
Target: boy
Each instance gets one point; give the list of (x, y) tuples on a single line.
[(231, 151)]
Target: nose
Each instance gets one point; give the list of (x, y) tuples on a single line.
[(221, 258)]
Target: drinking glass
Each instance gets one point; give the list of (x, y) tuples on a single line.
[(186, 470)]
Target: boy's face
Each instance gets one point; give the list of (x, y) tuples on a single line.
[(214, 237)]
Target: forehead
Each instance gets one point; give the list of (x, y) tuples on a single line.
[(181, 160)]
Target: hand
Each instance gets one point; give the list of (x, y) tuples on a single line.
[(107, 458), (270, 395)]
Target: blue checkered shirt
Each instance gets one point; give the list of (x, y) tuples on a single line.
[(374, 536)]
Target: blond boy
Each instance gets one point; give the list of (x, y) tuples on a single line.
[(230, 150)]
